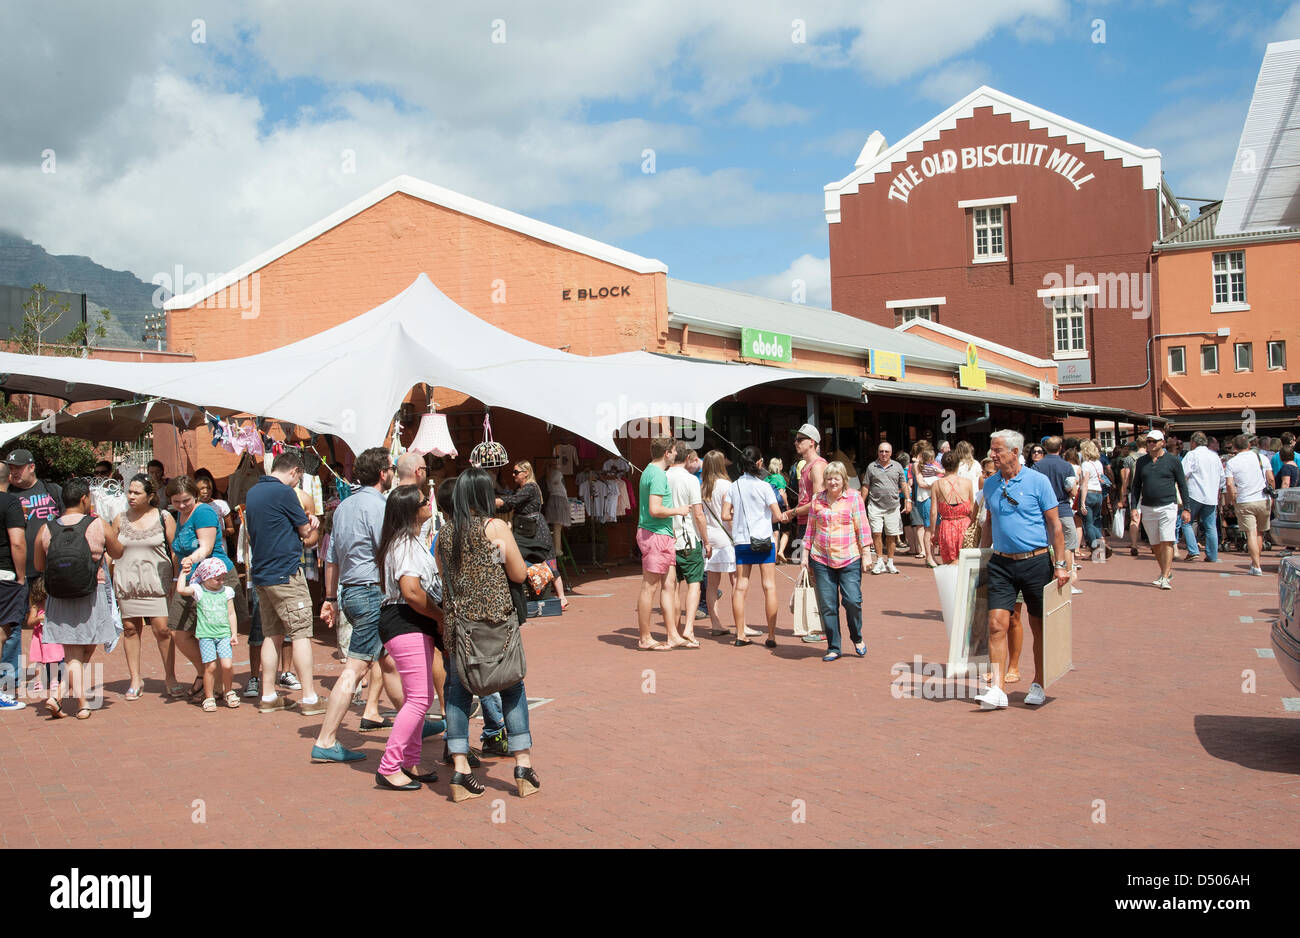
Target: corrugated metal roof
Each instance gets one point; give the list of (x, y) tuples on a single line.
[(1263, 189), (809, 326), (1204, 228)]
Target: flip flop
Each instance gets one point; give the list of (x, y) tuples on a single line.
[(689, 644), (657, 646), (55, 711)]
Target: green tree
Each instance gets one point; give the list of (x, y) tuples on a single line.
[(41, 313), (57, 458)]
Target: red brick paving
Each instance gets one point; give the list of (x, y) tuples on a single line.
[(1153, 722)]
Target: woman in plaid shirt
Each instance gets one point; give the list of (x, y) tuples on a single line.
[(837, 543)]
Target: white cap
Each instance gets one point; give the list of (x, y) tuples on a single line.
[(811, 432), (1155, 435)]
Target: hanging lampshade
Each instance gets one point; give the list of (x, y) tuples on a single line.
[(433, 437)]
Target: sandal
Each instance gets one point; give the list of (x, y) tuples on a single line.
[(232, 699), (54, 710), (657, 646), (134, 693), (83, 713), (689, 643), (209, 705), (175, 690), (196, 690)]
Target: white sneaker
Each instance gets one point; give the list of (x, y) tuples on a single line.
[(995, 698), (1157, 581), (878, 567), (751, 632), (289, 681), (1164, 584), (1256, 571), (9, 702), (1035, 697), (889, 565)]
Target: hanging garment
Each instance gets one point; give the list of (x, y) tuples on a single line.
[(612, 490), (567, 457), (624, 500)]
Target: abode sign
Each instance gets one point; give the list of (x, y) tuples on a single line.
[(766, 346), (992, 154)]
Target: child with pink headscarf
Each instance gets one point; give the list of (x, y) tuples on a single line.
[(216, 629)]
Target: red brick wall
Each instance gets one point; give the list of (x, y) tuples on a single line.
[(885, 249)]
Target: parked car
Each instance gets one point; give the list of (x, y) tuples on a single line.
[(1286, 526), (1286, 631)]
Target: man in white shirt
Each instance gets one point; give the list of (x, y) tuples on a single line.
[(691, 536), (1204, 474), (1248, 474)]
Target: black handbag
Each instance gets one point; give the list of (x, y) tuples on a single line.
[(525, 526)]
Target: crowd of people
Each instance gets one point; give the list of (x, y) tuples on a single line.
[(409, 565), (410, 588)]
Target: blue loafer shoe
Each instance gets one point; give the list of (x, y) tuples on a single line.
[(830, 656), (433, 728), (860, 649), (336, 753)]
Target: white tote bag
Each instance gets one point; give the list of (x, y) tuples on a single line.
[(807, 620), (1119, 530)]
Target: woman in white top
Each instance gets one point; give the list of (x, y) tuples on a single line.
[(752, 508), (722, 557), (968, 466), (1090, 507)]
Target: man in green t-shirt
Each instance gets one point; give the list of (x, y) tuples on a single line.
[(654, 538)]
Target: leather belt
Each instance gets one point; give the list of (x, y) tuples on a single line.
[(1024, 556)]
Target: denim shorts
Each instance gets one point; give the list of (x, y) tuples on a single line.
[(360, 604), (212, 649)]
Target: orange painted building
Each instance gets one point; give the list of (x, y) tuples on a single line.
[(1227, 323)]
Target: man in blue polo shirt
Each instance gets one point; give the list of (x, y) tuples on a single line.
[(1022, 508), (278, 530)]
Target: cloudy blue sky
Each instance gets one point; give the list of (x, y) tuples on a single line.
[(204, 143)]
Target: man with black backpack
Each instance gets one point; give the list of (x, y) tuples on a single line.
[(79, 614)]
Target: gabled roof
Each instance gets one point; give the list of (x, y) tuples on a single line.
[(716, 309), (1093, 140), (1263, 191), (1016, 354), (428, 192)]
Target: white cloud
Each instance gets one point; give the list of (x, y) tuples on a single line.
[(954, 81), (1287, 27), (813, 273), (164, 156), (1197, 154)]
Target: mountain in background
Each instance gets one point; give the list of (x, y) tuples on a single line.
[(127, 297)]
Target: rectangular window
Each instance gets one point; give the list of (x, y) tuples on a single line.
[(1106, 438), (1229, 277), (1242, 355), (989, 241), (908, 313), (1068, 319), (1277, 355), (1209, 359), (1178, 359)]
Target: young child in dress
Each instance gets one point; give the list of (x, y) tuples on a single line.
[(39, 652), (216, 629)]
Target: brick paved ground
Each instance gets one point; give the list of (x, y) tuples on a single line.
[(1154, 723)]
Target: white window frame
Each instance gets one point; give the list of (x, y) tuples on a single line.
[(1237, 348), (1069, 307), (1280, 345), (1106, 440), (1182, 350), (1215, 369), (906, 314), (986, 213), (1228, 280)]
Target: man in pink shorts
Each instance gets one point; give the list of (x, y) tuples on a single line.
[(654, 538)]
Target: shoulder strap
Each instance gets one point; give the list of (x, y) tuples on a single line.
[(708, 506)]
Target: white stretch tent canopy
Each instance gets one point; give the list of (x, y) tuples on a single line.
[(350, 380)]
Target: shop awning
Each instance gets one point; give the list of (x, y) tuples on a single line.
[(125, 422), (350, 380), (1230, 420)]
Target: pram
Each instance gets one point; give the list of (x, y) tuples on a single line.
[(1234, 538)]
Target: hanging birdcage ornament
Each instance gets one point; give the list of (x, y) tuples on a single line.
[(489, 454)]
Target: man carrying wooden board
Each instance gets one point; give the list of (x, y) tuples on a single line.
[(1022, 522)]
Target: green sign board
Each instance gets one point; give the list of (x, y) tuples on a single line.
[(767, 346)]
